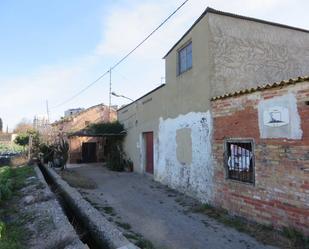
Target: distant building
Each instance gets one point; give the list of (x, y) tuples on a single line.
[(85, 148), (72, 112), (6, 138)]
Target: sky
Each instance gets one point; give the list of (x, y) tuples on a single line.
[(50, 50)]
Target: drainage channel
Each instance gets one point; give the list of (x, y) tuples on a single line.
[(80, 229)]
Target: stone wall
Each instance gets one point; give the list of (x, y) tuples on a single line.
[(76, 143), (280, 193)]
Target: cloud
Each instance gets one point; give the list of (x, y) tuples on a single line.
[(125, 24), (25, 95), (123, 29)]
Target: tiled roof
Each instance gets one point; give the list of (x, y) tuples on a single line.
[(262, 87)]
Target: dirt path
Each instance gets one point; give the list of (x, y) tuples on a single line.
[(141, 206)]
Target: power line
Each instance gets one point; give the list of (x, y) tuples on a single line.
[(81, 91), (147, 37), (123, 58)]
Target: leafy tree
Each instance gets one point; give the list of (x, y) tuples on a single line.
[(22, 139)]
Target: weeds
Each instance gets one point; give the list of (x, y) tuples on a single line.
[(298, 239), (289, 238), (76, 180), (144, 244), (13, 179), (139, 240), (125, 226), (12, 234)]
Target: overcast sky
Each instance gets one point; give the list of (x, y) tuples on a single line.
[(50, 50)]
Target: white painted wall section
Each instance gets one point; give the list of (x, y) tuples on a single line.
[(195, 179)]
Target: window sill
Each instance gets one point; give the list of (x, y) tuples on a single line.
[(240, 182), (179, 74)]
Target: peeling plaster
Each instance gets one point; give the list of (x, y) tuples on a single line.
[(197, 179)]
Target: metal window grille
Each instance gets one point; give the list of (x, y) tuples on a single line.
[(240, 161)]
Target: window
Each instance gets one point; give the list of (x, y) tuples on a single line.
[(185, 59), (239, 160)]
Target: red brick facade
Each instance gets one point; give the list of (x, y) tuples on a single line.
[(95, 114), (280, 194)]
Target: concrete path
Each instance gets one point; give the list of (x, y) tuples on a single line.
[(158, 213)]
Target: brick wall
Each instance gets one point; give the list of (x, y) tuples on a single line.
[(75, 154), (280, 195)]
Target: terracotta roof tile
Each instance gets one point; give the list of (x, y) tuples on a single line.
[(262, 87)]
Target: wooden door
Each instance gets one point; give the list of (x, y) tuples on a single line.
[(149, 151), (89, 152)]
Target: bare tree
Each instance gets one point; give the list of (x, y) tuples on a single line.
[(23, 126)]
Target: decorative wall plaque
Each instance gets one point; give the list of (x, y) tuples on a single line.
[(276, 116)]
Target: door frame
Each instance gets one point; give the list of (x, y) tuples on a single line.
[(87, 144), (144, 152)]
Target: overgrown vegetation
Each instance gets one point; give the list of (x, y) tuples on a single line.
[(115, 132), (105, 128), (139, 240), (13, 179), (297, 238), (23, 138), (12, 233), (56, 153), (288, 238)]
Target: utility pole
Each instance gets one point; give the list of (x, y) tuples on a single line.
[(110, 94), (47, 110)]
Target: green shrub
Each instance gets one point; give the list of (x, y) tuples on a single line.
[(5, 183), (106, 128), (12, 236), (116, 160), (12, 179), (2, 229)]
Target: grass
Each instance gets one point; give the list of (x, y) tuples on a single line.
[(12, 233), (109, 210), (13, 179), (144, 244), (123, 225), (12, 236), (139, 240), (298, 239), (76, 180), (288, 238)]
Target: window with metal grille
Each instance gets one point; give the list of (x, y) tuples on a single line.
[(239, 160)]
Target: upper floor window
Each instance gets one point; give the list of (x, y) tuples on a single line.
[(185, 58)]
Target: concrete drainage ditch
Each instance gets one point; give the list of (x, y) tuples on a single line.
[(93, 229)]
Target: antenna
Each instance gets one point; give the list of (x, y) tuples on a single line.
[(47, 111), (110, 94)]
